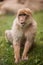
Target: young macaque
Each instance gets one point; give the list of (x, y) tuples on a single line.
[(24, 26)]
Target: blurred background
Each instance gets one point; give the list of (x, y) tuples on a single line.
[(13, 5), (8, 9)]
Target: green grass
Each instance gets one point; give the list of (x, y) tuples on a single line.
[(6, 49)]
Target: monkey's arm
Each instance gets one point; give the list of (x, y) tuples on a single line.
[(16, 46), (29, 34)]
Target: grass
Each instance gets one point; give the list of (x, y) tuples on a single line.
[(6, 49)]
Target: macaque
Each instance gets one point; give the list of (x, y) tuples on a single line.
[(24, 26)]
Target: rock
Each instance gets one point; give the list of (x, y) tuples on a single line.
[(14, 5)]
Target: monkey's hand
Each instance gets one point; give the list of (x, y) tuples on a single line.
[(24, 58)]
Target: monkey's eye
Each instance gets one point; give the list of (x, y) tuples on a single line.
[(22, 14)]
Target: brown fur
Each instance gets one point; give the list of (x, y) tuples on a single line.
[(18, 32)]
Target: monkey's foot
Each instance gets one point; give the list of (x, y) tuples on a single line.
[(17, 61), (25, 58)]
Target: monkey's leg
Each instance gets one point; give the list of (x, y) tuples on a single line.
[(16, 47), (8, 35), (26, 49)]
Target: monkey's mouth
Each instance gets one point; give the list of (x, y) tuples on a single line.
[(22, 24)]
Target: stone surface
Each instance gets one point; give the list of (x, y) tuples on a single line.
[(14, 5)]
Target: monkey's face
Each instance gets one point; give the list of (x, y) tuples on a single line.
[(24, 16), (22, 19)]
